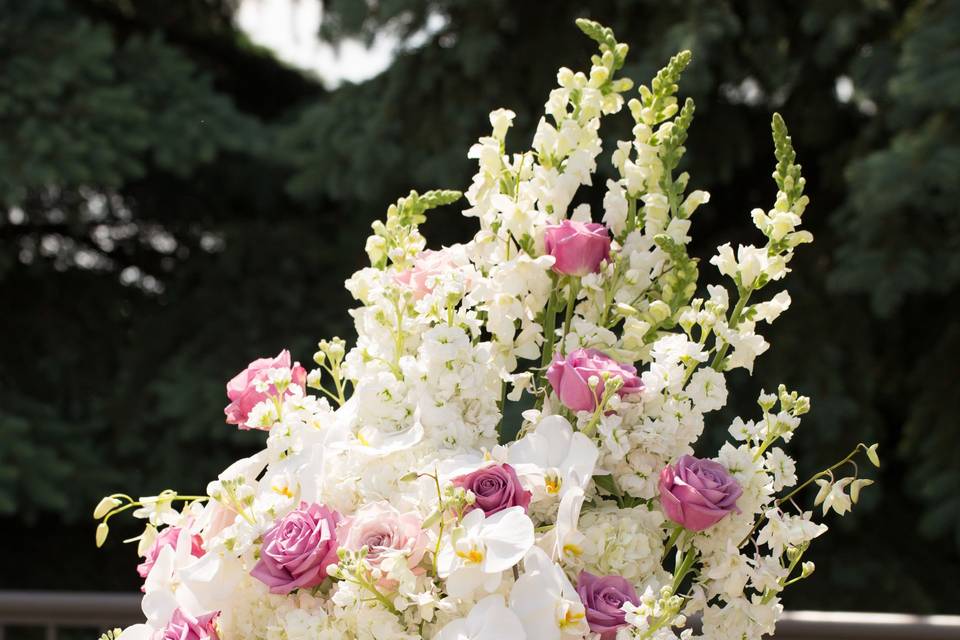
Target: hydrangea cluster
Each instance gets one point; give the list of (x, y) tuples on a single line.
[(395, 497)]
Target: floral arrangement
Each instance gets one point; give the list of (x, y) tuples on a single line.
[(401, 501)]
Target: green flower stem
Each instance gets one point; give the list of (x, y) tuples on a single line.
[(631, 214), (734, 321), (376, 593), (568, 315), (672, 540), (686, 565), (825, 472)]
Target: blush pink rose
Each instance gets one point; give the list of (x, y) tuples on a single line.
[(183, 626), (242, 389), (426, 267), (384, 531), (578, 248), (570, 378), (696, 494), (496, 488), (297, 550), (167, 538)]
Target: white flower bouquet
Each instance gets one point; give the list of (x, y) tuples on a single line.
[(396, 501)]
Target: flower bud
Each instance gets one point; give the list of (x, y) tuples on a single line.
[(102, 531), (105, 506), (659, 311)]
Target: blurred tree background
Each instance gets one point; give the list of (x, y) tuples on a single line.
[(174, 202)]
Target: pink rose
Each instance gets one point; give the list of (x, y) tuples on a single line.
[(420, 278), (167, 538), (570, 378), (578, 248), (242, 389), (496, 488), (298, 549), (183, 626), (384, 531), (696, 494), (603, 598)]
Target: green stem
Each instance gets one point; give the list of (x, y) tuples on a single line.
[(384, 600), (672, 540), (568, 314), (734, 321), (631, 214), (686, 564), (808, 482), (549, 331)]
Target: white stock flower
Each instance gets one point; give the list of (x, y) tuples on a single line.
[(708, 389)]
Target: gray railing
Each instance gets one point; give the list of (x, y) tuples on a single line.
[(58, 612)]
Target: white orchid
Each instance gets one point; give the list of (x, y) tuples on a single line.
[(481, 548), (489, 619), (546, 602), (554, 458)]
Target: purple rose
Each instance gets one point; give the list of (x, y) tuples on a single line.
[(298, 549), (570, 378), (578, 248), (696, 494), (183, 626), (496, 487), (603, 599)]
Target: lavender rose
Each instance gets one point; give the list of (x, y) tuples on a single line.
[(697, 494), (603, 598), (578, 248), (298, 549), (570, 378), (183, 626), (496, 487)]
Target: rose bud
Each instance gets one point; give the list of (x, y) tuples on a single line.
[(570, 378), (578, 248), (696, 494)]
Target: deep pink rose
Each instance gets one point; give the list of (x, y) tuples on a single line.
[(183, 626), (570, 378), (298, 549), (578, 248), (603, 599), (426, 267), (242, 389), (496, 487), (167, 538), (697, 494), (384, 531)]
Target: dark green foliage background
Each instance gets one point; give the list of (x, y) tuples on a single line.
[(176, 203)]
